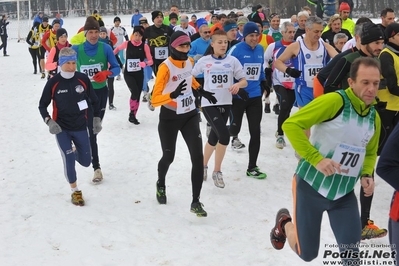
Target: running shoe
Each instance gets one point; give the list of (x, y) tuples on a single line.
[(236, 144), (197, 208), (112, 107), (256, 173), (276, 109), (218, 179), (133, 119), (152, 108), (77, 198), (98, 176), (161, 194), (372, 231), (277, 234), (280, 142)]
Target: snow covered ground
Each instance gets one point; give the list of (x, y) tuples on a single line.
[(122, 223)]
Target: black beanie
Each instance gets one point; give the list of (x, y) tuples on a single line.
[(56, 21), (117, 19), (138, 29), (60, 32), (255, 18), (91, 24), (172, 16), (155, 14), (371, 33)]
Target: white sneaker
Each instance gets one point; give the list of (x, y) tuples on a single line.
[(280, 142), (205, 173), (118, 77), (236, 144), (152, 108), (98, 176), (218, 179)]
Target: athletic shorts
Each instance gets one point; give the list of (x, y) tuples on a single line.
[(303, 95)]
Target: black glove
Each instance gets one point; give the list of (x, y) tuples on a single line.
[(243, 94), (178, 90), (207, 95), (268, 72), (295, 73)]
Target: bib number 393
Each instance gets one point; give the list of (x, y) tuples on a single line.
[(350, 157)]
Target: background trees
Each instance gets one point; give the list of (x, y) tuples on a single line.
[(113, 7)]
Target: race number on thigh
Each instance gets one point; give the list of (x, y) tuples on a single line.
[(161, 52), (90, 70), (350, 157), (185, 103)]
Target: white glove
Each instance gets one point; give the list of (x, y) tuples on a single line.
[(97, 125)]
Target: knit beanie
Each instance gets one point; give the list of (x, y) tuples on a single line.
[(55, 21), (249, 28), (179, 38), (172, 16), (391, 30), (155, 14), (201, 22), (138, 29), (344, 6), (371, 33), (242, 20), (45, 19), (117, 19), (255, 18), (61, 32), (103, 29), (91, 24)]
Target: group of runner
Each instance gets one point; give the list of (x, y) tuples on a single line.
[(225, 68)]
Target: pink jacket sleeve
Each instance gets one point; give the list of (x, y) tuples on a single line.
[(50, 64), (148, 55), (123, 46)]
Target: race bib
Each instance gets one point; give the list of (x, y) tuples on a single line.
[(252, 71), (90, 70), (185, 103), (311, 71), (161, 52), (83, 105), (350, 157), (133, 65), (220, 80), (284, 77)]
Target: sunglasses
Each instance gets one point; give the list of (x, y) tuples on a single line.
[(206, 32)]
